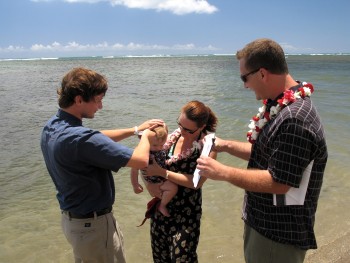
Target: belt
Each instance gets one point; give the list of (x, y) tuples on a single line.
[(89, 215)]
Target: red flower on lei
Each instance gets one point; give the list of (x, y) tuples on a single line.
[(262, 117)]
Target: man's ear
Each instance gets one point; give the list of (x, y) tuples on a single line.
[(78, 99), (263, 74)]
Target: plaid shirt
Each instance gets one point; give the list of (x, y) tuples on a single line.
[(285, 147)]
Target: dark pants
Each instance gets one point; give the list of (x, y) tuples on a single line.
[(259, 249)]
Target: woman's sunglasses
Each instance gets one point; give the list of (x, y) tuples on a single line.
[(185, 129)]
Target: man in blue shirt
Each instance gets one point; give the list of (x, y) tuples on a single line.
[(80, 162)]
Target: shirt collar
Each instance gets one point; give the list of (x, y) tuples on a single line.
[(271, 103), (69, 118)]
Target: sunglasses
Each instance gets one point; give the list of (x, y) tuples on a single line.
[(185, 129), (244, 77)]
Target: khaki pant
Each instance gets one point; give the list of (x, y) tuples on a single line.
[(94, 240), (259, 249)]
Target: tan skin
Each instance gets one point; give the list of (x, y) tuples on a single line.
[(266, 86), (166, 188), (185, 142), (156, 145), (140, 156)]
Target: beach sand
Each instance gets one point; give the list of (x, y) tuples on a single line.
[(337, 251)]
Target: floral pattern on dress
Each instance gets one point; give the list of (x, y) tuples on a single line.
[(175, 238)]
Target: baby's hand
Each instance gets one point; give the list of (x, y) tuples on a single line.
[(138, 189)]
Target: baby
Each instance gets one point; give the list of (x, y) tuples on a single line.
[(157, 153)]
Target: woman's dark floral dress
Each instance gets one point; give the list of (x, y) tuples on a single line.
[(175, 238)]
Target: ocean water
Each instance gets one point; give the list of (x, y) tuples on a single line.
[(141, 88)]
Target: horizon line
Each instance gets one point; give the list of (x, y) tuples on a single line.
[(159, 56)]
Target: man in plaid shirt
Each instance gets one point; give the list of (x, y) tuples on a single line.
[(286, 160)]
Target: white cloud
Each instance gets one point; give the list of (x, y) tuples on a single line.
[(76, 49), (181, 7), (288, 48), (12, 48), (74, 46), (178, 7)]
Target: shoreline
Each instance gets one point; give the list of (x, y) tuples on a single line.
[(337, 251)]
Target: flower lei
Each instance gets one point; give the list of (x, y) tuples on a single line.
[(262, 117), (184, 154)]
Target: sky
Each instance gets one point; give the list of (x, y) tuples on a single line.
[(73, 28)]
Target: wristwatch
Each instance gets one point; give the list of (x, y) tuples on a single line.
[(136, 131)]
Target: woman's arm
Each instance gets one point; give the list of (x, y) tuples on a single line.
[(177, 178)]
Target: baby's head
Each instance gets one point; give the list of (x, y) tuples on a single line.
[(159, 138)]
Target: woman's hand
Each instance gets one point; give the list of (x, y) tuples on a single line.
[(154, 169)]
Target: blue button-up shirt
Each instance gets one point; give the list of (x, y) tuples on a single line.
[(80, 161)]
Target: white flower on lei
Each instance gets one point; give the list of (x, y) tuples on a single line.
[(307, 90), (261, 110), (197, 145), (274, 110), (261, 123), (251, 125), (254, 135)]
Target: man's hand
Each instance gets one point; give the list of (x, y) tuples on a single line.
[(150, 124), (217, 147), (210, 168)]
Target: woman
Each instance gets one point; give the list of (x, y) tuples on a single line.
[(175, 238)]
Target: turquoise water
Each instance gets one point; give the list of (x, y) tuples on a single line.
[(139, 89)]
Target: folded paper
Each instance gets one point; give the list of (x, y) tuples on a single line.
[(208, 144), (295, 196)]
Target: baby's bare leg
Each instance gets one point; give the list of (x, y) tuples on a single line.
[(153, 189), (169, 190)]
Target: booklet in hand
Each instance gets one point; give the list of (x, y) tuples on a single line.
[(209, 142)]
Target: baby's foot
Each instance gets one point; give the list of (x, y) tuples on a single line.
[(164, 210)]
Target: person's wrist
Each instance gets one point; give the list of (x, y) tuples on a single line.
[(221, 145), (136, 130), (166, 176)]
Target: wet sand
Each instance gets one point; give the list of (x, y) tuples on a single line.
[(337, 251)]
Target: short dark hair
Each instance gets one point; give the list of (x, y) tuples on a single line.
[(264, 53), (80, 81)]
